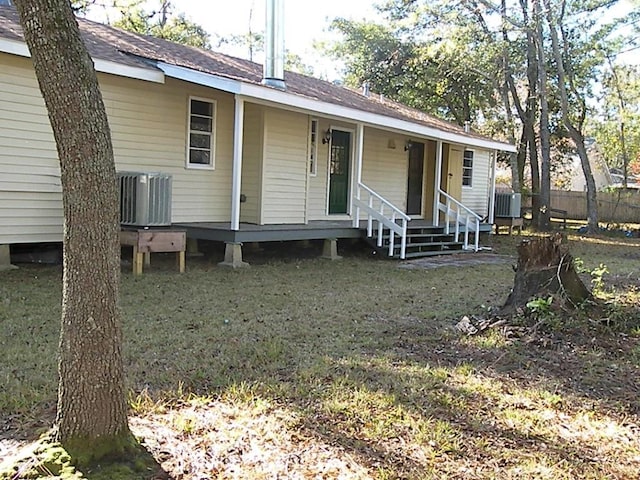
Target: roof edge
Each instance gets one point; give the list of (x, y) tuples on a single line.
[(19, 48), (265, 94)]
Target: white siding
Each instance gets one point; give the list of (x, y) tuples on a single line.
[(148, 127), (149, 132), (30, 192), (384, 169), (285, 167), (476, 197), (252, 152), (317, 206)]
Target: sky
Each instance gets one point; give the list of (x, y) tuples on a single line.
[(305, 23)]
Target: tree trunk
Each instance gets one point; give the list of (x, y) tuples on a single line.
[(545, 134), (530, 112), (545, 267), (92, 411), (574, 128)]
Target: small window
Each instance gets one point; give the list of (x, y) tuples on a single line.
[(200, 151), (313, 147), (467, 168)]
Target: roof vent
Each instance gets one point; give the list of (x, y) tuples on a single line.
[(273, 72), (365, 89)]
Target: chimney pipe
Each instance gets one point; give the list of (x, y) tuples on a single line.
[(273, 73)]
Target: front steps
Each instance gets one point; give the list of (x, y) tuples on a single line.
[(422, 241)]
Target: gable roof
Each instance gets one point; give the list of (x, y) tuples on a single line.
[(150, 58)]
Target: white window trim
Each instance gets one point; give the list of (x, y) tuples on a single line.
[(313, 148), (473, 160), (196, 166)]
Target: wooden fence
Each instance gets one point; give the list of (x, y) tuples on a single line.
[(614, 207)]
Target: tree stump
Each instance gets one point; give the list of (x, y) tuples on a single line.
[(545, 267)]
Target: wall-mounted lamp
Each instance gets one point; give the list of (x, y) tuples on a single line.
[(326, 138), (408, 145)]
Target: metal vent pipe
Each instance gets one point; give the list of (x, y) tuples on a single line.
[(273, 73)]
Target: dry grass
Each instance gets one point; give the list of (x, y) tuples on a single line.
[(352, 369)]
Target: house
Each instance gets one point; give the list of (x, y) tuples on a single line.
[(572, 178), (253, 156)]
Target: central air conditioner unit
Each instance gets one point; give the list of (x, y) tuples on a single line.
[(507, 205), (145, 199)]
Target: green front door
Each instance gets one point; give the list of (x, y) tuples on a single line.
[(339, 171)]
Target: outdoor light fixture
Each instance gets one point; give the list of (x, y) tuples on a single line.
[(408, 146), (327, 136)]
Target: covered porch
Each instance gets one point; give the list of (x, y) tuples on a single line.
[(422, 237)]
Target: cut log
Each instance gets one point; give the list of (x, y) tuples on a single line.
[(545, 267)]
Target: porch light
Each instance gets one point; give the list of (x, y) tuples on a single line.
[(326, 138), (408, 145)]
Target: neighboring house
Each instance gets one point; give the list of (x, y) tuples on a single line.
[(249, 161), (599, 169)]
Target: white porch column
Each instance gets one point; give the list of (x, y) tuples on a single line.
[(492, 189), (359, 154), (437, 180), (236, 182)]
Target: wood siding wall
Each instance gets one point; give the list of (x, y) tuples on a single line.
[(252, 153), (317, 196), (384, 169), (476, 197), (30, 192), (148, 126), (284, 187)]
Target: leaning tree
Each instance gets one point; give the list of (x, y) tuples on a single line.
[(91, 419)]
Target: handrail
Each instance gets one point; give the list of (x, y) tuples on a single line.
[(375, 207), (469, 219)]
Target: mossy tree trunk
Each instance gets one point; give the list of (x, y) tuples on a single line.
[(92, 411), (545, 267)]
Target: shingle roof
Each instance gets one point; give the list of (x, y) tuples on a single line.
[(112, 44)]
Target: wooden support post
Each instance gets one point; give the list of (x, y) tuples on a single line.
[(181, 261), (192, 248), (330, 249), (509, 222)]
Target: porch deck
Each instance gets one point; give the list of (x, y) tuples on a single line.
[(314, 230)]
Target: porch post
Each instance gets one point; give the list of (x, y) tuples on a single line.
[(236, 182), (436, 187), (492, 189), (359, 153)]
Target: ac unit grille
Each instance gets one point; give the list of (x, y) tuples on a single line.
[(145, 199), (507, 205)]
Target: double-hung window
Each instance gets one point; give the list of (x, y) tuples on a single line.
[(201, 141), (467, 168)]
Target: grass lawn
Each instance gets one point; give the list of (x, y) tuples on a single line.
[(302, 368)]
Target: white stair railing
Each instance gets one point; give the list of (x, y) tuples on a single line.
[(387, 216), (461, 216)]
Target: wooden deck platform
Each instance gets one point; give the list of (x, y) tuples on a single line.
[(314, 230)]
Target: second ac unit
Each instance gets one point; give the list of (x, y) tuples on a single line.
[(507, 205)]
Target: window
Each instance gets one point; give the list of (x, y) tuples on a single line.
[(313, 147), (467, 168), (200, 152)]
